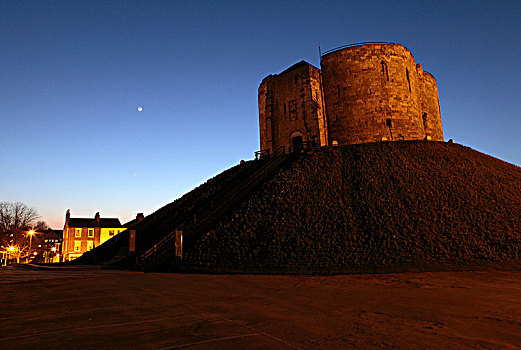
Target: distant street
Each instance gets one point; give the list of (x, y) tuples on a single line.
[(99, 309)]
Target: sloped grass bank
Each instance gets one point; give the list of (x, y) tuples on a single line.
[(159, 224), (373, 207)]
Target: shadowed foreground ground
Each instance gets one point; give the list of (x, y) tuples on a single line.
[(109, 310)]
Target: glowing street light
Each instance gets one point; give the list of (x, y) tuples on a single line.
[(12, 250), (31, 233), (52, 254)]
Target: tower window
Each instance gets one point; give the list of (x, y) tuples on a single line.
[(385, 70), (338, 90), (408, 79)]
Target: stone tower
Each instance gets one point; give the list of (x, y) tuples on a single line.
[(364, 93), (291, 108)]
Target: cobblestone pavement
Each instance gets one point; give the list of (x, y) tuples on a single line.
[(91, 308), (17, 274)]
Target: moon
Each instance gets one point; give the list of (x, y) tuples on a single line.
[(139, 109)]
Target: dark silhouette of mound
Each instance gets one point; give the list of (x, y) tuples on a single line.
[(159, 224), (374, 207), (391, 206)]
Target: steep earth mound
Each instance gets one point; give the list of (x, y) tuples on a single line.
[(373, 207), (159, 224)]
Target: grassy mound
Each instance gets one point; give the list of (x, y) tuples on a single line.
[(373, 207), (159, 224)]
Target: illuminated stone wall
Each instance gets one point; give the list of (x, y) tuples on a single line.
[(372, 94), (364, 93), (290, 106), (430, 105)]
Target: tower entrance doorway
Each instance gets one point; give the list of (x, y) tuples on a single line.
[(297, 143)]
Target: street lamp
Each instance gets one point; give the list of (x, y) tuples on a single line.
[(53, 253), (31, 233), (12, 249)]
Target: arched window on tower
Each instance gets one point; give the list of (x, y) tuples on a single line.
[(385, 70), (408, 79), (424, 118)]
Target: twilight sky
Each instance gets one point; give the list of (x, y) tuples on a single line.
[(73, 74)]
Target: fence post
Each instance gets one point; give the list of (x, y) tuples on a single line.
[(132, 242), (179, 243)]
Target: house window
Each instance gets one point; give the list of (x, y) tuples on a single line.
[(77, 246), (111, 232), (78, 232), (90, 245), (91, 232)]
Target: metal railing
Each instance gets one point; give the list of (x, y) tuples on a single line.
[(158, 247), (279, 151), (262, 154), (266, 153), (217, 206)]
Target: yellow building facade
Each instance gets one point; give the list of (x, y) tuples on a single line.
[(83, 234)]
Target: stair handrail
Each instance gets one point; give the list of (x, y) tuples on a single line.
[(279, 151), (261, 154), (203, 208), (245, 186)]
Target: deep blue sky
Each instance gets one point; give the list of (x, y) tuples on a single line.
[(72, 74)]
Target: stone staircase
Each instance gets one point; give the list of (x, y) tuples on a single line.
[(164, 251)]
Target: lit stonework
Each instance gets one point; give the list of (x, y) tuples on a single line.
[(364, 93)]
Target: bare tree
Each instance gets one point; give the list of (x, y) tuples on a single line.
[(15, 219), (41, 226)]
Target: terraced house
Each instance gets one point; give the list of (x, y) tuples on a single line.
[(83, 234)]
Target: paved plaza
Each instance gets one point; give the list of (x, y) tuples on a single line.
[(89, 308)]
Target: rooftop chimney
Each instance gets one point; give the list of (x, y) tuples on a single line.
[(140, 216), (97, 216)]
